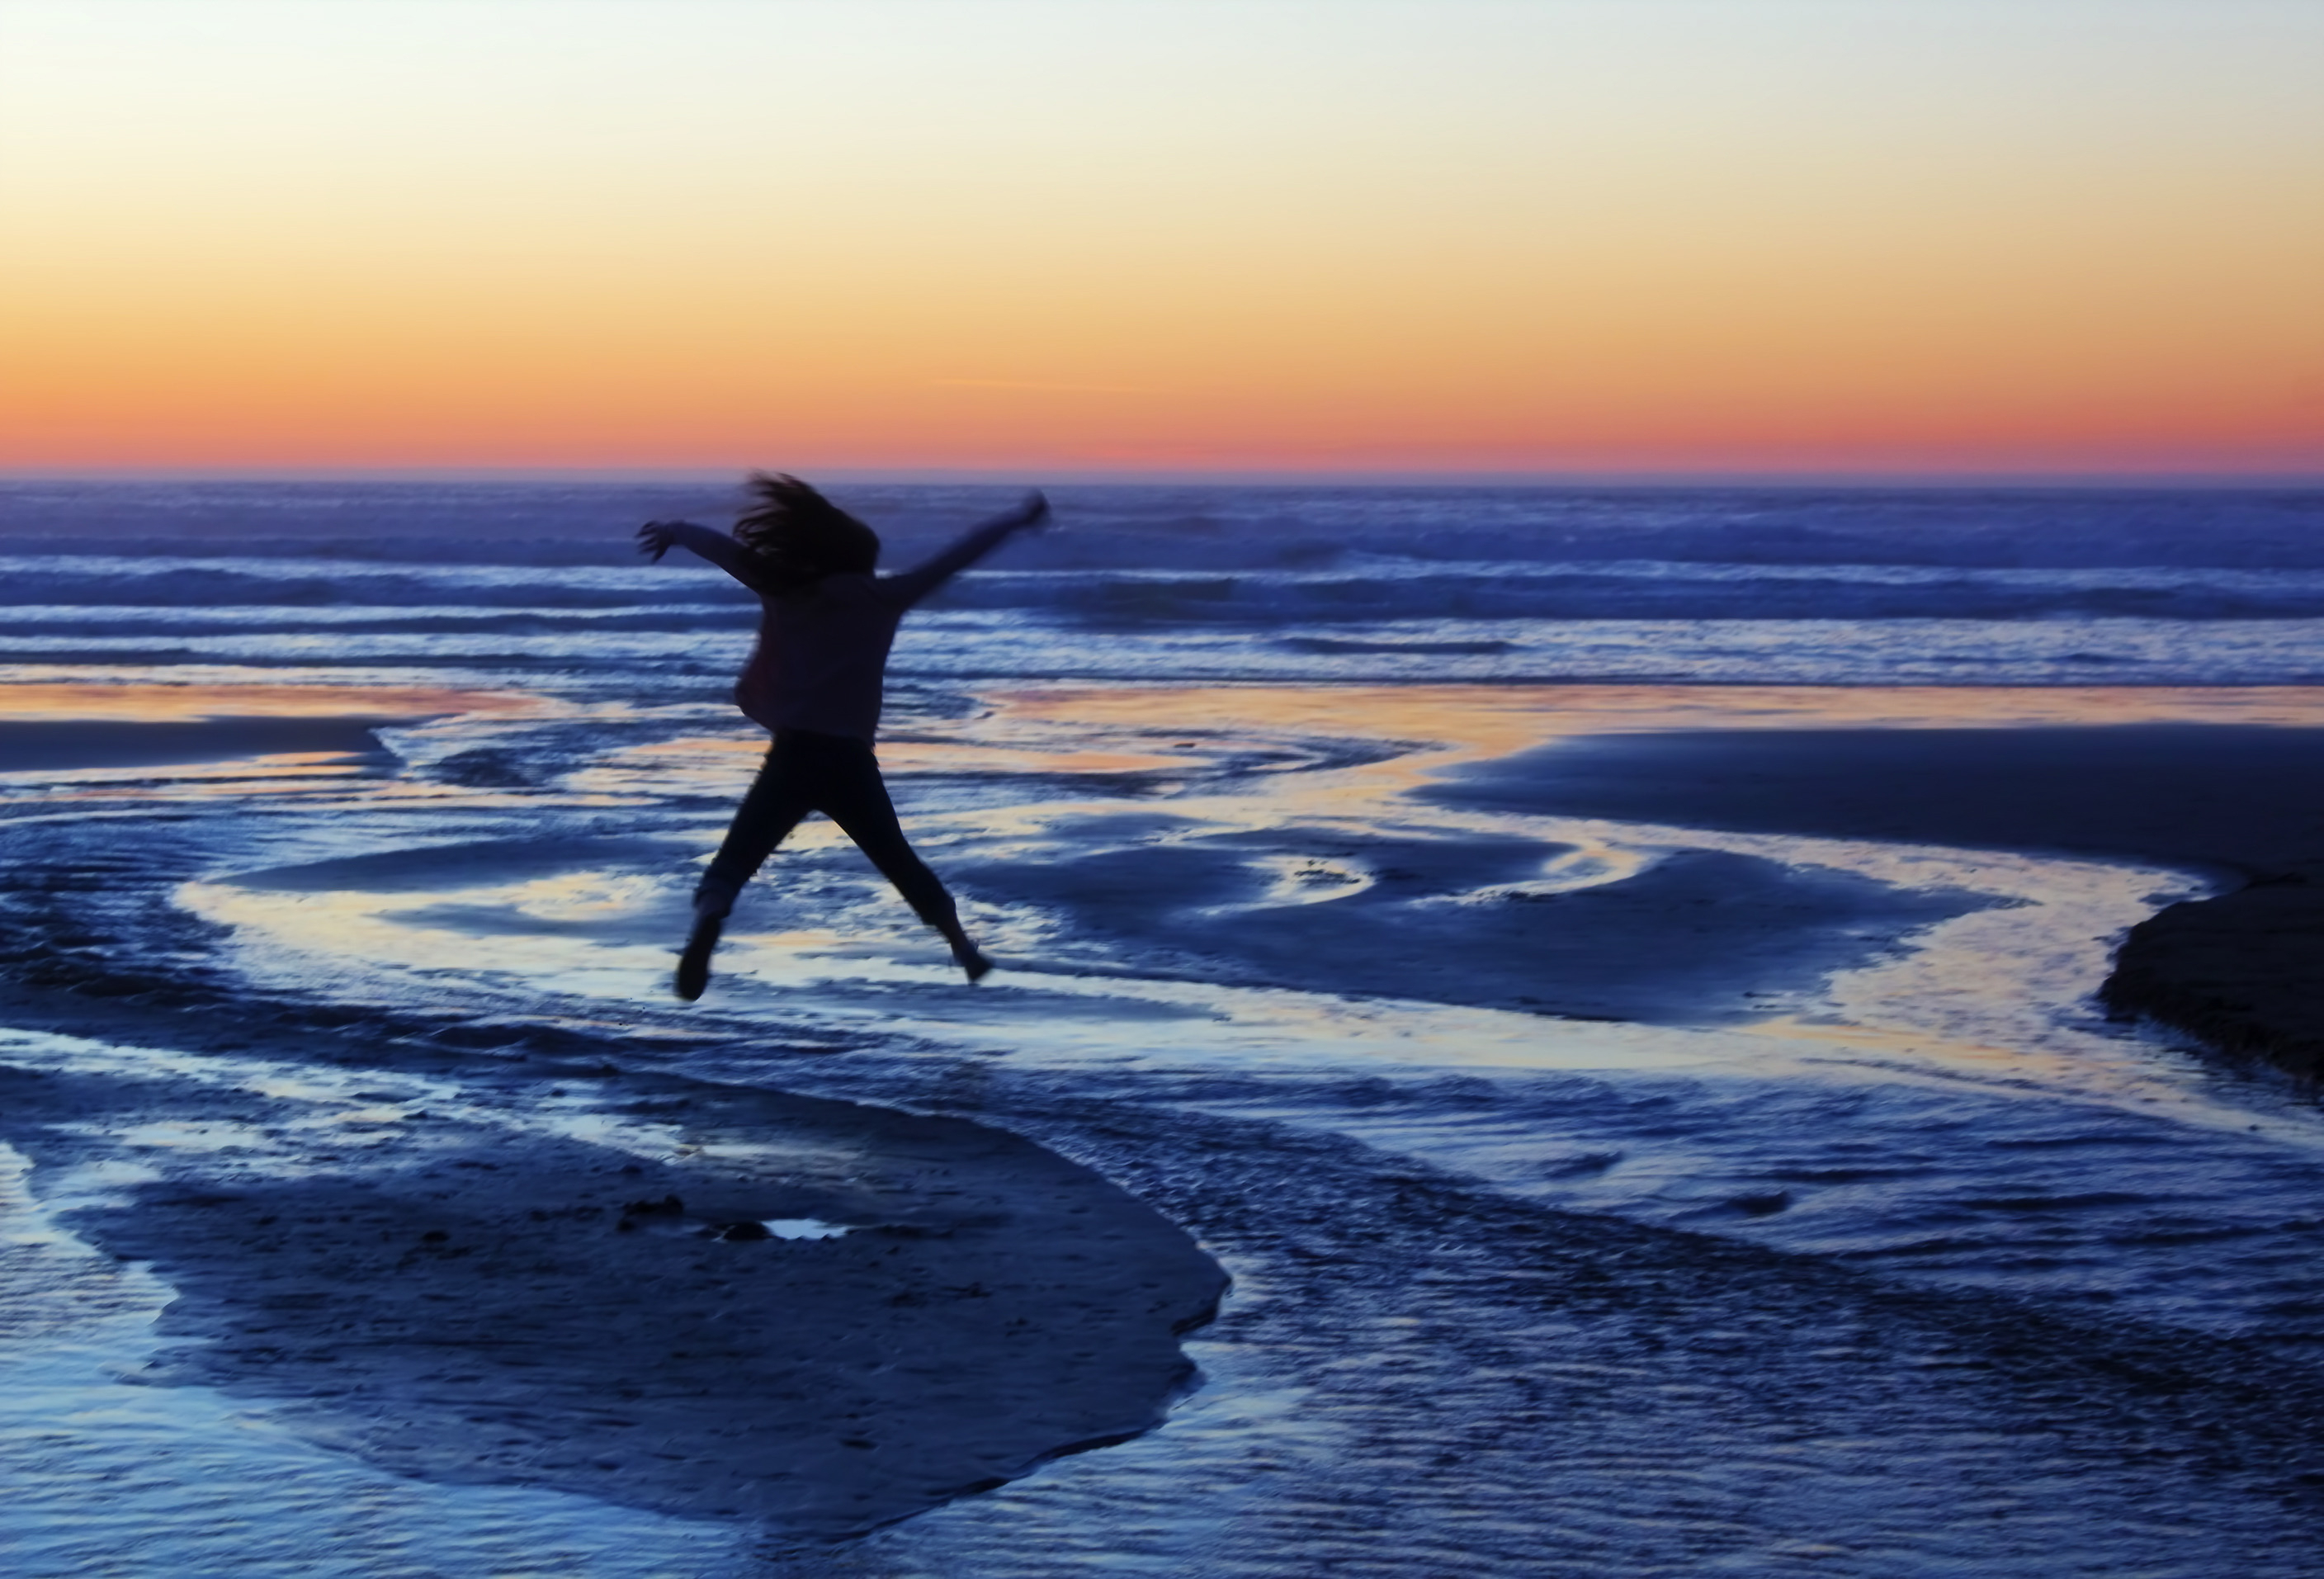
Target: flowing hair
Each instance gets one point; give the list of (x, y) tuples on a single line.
[(798, 537)]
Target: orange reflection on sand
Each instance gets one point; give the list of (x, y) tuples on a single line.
[(272, 778), (896, 756), (50, 702), (253, 776), (1909, 1047), (1482, 719), (303, 764), (943, 757), (1444, 726)]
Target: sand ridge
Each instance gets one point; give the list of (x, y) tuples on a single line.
[(460, 1300), (2236, 800)]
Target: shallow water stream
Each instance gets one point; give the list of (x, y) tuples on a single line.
[(1602, 1195)]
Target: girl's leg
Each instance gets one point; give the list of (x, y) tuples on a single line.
[(855, 797), (782, 794), (779, 798)]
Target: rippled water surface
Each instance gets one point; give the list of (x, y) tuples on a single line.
[(1604, 1195)]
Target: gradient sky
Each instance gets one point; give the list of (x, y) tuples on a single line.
[(1598, 235)]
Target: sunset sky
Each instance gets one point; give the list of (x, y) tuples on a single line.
[(1600, 237)]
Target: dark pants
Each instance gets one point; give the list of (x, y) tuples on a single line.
[(839, 777)]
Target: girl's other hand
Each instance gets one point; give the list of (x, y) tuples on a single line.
[(655, 539), (1035, 512)]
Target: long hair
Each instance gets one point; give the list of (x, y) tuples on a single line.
[(800, 536)]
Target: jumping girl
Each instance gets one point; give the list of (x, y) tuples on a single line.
[(816, 680)]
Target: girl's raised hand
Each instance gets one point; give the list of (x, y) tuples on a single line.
[(655, 539)]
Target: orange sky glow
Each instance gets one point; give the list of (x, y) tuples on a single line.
[(1655, 236)]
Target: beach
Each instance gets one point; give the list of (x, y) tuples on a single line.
[(807, 1313), (1482, 1123), (1548, 785), (2236, 972)]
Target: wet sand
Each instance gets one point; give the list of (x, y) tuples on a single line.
[(1699, 937), (59, 746), (2243, 971), (2237, 796), (62, 728), (449, 1296), (456, 1298)]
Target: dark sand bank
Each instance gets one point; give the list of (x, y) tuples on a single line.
[(1427, 1376), (64, 745), (462, 1298), (2245, 972), (2239, 796), (475, 863), (1705, 937), (1504, 1383), (71, 726)]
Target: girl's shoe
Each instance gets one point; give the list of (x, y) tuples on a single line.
[(694, 963)]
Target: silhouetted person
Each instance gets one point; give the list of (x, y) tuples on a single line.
[(816, 680)]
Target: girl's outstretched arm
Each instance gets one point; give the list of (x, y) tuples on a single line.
[(921, 580), (657, 537)]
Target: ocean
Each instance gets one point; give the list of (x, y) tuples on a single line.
[(1275, 806)]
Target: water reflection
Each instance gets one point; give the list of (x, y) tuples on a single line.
[(1936, 1102)]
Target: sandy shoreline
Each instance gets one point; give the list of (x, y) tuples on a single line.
[(2217, 795), (2240, 971), (2230, 799), (2243, 971), (2122, 780), (52, 746), (454, 1298), (1523, 1332)]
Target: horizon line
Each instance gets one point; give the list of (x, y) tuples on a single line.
[(1198, 476)]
